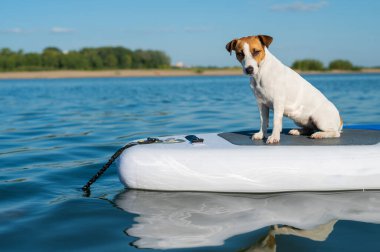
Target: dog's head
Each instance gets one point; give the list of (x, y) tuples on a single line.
[(250, 51)]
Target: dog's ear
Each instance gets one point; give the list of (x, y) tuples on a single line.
[(231, 45), (265, 40)]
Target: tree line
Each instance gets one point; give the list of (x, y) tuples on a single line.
[(316, 65), (52, 58)]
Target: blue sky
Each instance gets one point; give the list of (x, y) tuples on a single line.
[(196, 31)]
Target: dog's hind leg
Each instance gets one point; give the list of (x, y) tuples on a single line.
[(326, 129), (306, 128), (327, 121), (325, 134), (301, 131)]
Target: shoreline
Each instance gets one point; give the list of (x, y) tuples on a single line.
[(59, 74)]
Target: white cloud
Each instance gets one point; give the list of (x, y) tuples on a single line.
[(61, 30), (13, 30), (299, 6), (18, 30)]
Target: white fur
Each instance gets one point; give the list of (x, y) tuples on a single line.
[(248, 59), (279, 88)]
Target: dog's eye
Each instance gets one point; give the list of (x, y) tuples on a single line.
[(240, 54), (255, 52)]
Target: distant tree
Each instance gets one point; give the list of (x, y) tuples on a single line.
[(126, 61), (7, 59), (11, 62), (94, 60), (160, 60), (74, 60), (139, 59), (52, 50), (308, 65), (32, 61), (340, 64), (2, 63), (51, 58), (110, 61), (86, 58), (150, 59), (123, 56), (5, 52)]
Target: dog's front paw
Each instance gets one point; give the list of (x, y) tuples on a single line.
[(258, 136), (273, 139)]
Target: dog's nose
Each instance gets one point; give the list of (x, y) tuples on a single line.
[(249, 70)]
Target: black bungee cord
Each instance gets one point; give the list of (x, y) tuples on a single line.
[(86, 187)]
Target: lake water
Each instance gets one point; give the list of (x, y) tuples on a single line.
[(55, 134)]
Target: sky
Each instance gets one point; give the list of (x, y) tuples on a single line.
[(195, 32)]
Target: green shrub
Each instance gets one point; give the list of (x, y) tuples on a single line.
[(308, 65), (340, 64), (199, 70)]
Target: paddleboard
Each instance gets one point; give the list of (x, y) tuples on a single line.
[(232, 162)]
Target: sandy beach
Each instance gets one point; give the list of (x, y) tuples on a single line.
[(143, 73)]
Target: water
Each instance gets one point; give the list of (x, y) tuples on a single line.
[(55, 134)]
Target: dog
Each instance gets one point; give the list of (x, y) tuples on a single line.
[(279, 88)]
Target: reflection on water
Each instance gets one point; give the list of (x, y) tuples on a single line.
[(268, 242), (169, 220)]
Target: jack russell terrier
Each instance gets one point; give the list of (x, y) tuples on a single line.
[(281, 89)]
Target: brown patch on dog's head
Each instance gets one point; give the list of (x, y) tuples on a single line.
[(265, 40), (256, 44)]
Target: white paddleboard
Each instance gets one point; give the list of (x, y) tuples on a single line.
[(232, 162)]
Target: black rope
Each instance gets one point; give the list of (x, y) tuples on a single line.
[(86, 187)]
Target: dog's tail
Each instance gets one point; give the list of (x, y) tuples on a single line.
[(341, 124)]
